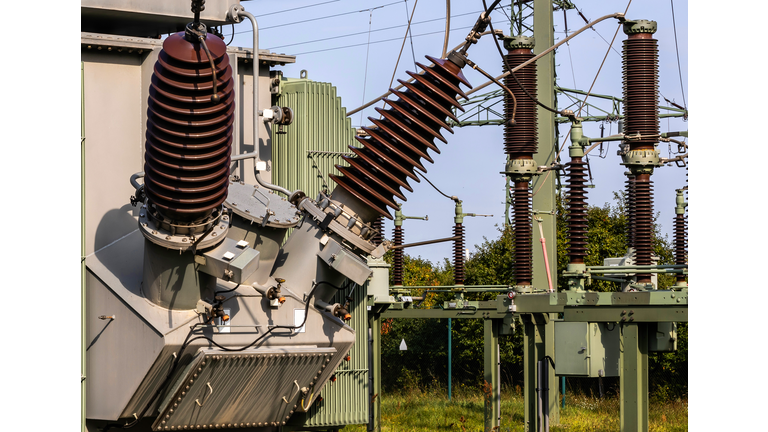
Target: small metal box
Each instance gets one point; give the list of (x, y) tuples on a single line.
[(587, 349)]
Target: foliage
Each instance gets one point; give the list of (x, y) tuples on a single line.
[(424, 364)]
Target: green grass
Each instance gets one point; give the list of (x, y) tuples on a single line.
[(431, 411)]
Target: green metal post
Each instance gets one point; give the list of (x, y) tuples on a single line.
[(375, 408), (492, 385), (82, 248), (633, 381), (533, 351), (544, 185), (562, 391), (450, 358)]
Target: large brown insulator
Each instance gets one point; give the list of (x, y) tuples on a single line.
[(393, 150), (630, 209), (641, 86), (523, 234), (458, 254), (397, 267), (577, 210), (641, 116), (521, 139), (189, 137), (643, 226), (681, 243)]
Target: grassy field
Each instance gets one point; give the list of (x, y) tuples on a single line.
[(417, 411)]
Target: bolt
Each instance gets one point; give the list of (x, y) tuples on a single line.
[(213, 235), (631, 318)]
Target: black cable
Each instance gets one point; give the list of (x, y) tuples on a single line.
[(215, 293), (233, 35), (504, 58)]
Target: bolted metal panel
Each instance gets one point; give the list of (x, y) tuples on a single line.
[(243, 388), (305, 155), (345, 401)]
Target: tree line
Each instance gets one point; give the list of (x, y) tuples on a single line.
[(424, 364)]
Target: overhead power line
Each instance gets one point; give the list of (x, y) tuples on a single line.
[(296, 8), (322, 18), (380, 41), (373, 31)]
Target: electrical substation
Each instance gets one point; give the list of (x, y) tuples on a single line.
[(246, 293)]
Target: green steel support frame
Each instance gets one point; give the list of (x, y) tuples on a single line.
[(633, 381), (544, 185), (374, 424), (492, 381)]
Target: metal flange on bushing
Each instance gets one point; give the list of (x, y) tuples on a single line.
[(641, 161), (639, 26), (521, 169), (519, 42)]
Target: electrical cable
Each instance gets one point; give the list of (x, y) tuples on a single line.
[(543, 53), (474, 66), (367, 50), (215, 293), (374, 42), (447, 27), (677, 50), (321, 18), (397, 63), (349, 113), (453, 198), (410, 34), (296, 8), (373, 31), (509, 69), (584, 102), (232, 36)]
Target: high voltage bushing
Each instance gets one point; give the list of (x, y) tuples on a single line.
[(520, 144), (189, 136), (458, 254), (629, 209), (681, 236), (398, 240), (397, 268), (393, 150), (577, 198), (520, 139), (641, 130)]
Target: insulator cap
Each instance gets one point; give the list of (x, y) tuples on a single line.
[(519, 42), (639, 26)]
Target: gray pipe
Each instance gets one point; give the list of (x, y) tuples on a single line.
[(256, 173)]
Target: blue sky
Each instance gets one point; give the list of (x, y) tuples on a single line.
[(469, 164)]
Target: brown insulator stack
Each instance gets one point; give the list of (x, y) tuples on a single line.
[(577, 210), (641, 128), (629, 210), (520, 144), (397, 267), (458, 254), (523, 234), (393, 150), (681, 243), (189, 137), (378, 228), (521, 139)]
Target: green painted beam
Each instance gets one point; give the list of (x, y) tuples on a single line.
[(616, 314)]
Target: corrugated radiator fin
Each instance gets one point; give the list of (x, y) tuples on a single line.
[(346, 400), (304, 156), (256, 387)]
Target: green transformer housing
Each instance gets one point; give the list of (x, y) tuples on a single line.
[(303, 155)]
